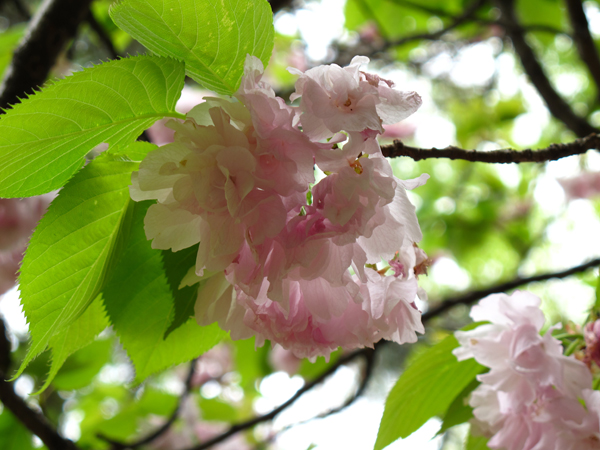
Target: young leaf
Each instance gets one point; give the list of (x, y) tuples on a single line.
[(177, 265), (597, 302), (44, 139), (140, 306), (70, 252), (425, 389), (82, 366), (211, 36), (76, 336), (459, 410), (476, 443), (13, 433)]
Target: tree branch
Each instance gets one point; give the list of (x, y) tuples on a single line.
[(558, 107), (503, 156), (585, 43), (54, 24), (471, 297), (345, 359), (33, 420)]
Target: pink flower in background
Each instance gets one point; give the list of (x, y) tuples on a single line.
[(281, 257), (10, 261), (284, 360), (18, 218), (584, 185), (533, 397), (159, 133), (591, 333)]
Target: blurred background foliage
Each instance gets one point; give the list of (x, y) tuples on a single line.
[(483, 224)]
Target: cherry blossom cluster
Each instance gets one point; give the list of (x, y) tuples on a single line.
[(533, 397), (309, 264)]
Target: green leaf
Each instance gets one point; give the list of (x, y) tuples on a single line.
[(75, 337), (140, 306), (44, 139), (8, 41), (83, 365), (476, 443), (124, 424), (597, 302), (251, 362), (424, 390), (459, 410), (177, 265), (13, 434), (211, 36), (217, 410), (71, 250), (136, 151)]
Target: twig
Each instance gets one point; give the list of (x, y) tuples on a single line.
[(467, 15), (33, 420), (54, 24), (277, 5), (5, 359), (558, 107), (20, 7), (102, 35), (585, 43), (369, 356), (472, 297), (271, 415), (503, 156), (116, 445)]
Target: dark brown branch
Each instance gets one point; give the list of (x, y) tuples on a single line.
[(54, 24), (585, 43), (558, 107), (33, 420), (277, 5), (5, 359), (503, 156), (271, 415), (471, 297)]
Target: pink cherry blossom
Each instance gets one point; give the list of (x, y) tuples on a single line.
[(533, 397), (335, 98), (591, 333), (281, 257)]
